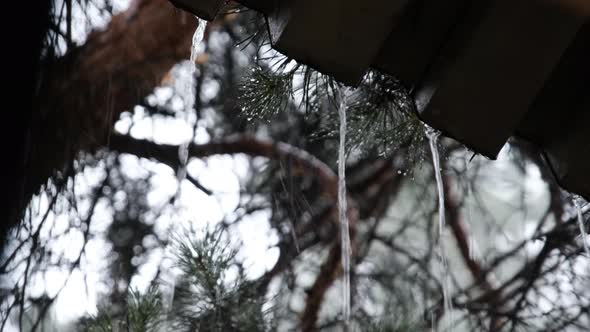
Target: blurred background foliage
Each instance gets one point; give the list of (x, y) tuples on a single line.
[(249, 240)]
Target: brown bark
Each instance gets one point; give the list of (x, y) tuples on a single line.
[(168, 154), (83, 93)]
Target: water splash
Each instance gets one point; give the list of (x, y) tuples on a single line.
[(290, 221), (188, 95), (342, 209), (432, 324), (433, 136), (473, 248), (577, 200)]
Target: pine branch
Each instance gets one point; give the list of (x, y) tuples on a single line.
[(263, 93), (206, 298), (144, 313)]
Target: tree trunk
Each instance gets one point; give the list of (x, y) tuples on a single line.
[(21, 73)]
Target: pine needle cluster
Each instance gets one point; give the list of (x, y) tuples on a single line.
[(211, 294), (264, 93), (144, 313), (381, 118), (381, 114)]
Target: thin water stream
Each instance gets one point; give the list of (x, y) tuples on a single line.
[(433, 136), (578, 205), (188, 95), (342, 209)]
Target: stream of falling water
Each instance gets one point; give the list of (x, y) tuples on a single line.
[(188, 94), (342, 210), (578, 204), (473, 250), (433, 135), (186, 89)]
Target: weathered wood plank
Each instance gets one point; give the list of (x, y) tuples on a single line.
[(339, 38), (481, 98)]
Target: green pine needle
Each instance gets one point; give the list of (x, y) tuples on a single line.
[(263, 93)]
